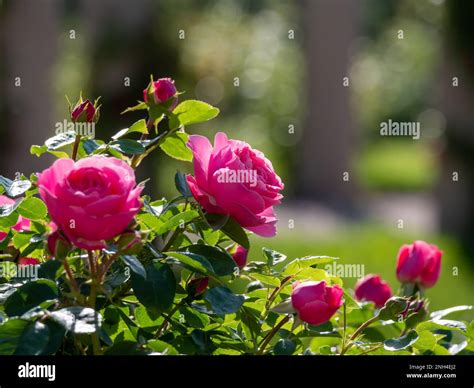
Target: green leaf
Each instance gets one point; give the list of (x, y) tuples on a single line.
[(30, 295), (61, 140), (7, 210), (404, 342), (33, 208), (139, 106), (16, 187), (192, 112), (442, 324), (193, 262), (223, 301), (34, 339), (135, 265), (442, 313), (176, 221), (426, 340), (157, 290), (162, 347), (221, 261), (273, 257), (351, 303), (174, 145), (269, 280), (78, 320), (139, 126), (50, 269), (182, 185), (232, 229), (284, 347), (10, 335), (127, 146)]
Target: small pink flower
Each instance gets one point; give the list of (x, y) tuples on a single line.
[(91, 200), (419, 263), (240, 256), (22, 224), (198, 285), (234, 179), (316, 302), (373, 289), (162, 90)]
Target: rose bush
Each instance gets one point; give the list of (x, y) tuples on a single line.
[(91, 265)]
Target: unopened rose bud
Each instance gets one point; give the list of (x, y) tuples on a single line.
[(161, 92), (130, 243), (197, 286), (372, 288), (85, 111), (22, 261), (239, 254), (393, 308), (417, 312), (58, 245)]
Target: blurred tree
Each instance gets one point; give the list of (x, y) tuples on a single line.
[(329, 141)]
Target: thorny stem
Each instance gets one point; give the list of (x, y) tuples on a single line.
[(357, 332), (270, 335)]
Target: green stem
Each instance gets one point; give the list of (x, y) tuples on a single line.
[(77, 141), (357, 332), (136, 159), (270, 335), (165, 321)]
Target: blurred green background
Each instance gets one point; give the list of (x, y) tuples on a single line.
[(307, 82)]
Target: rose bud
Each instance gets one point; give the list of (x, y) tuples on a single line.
[(22, 225), (161, 91), (27, 261), (85, 111), (92, 200), (417, 313), (58, 245), (371, 288), (316, 302), (215, 186), (197, 286), (239, 254), (393, 308), (130, 243), (419, 263)]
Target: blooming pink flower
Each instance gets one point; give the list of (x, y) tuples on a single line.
[(234, 179), (240, 256), (91, 200), (373, 289), (316, 302), (162, 89), (84, 111), (22, 224), (419, 263)]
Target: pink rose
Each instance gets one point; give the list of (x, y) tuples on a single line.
[(231, 178), (22, 224), (92, 200), (315, 302), (162, 90), (419, 263), (373, 289), (84, 111), (239, 255)]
